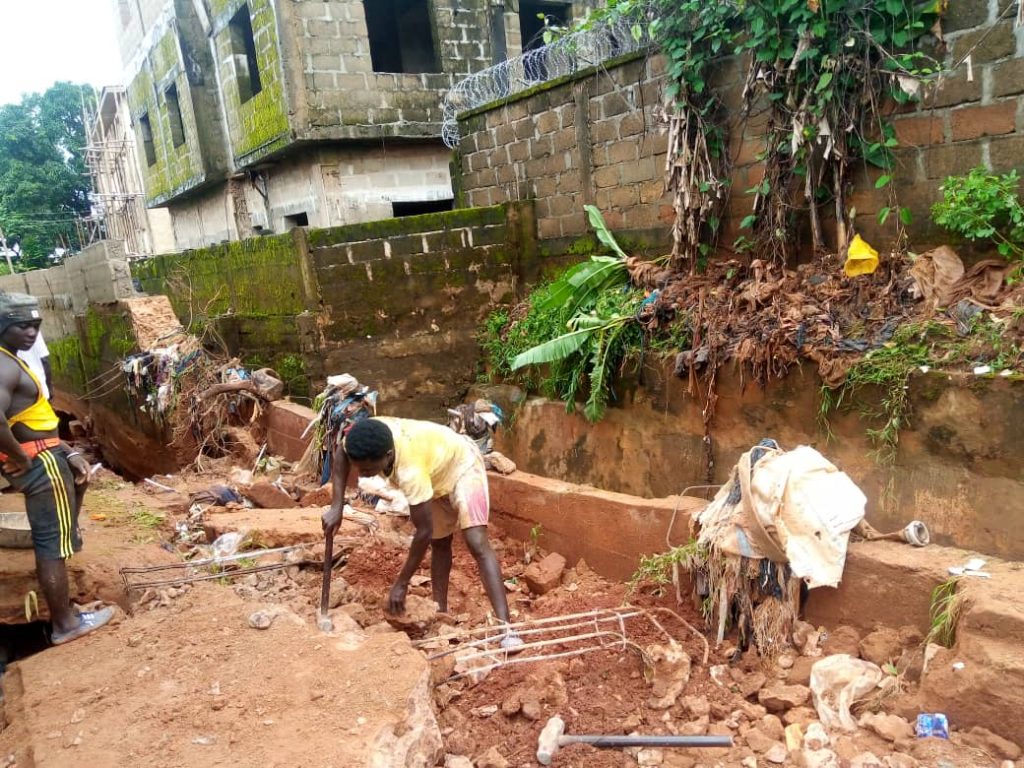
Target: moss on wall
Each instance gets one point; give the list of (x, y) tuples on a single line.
[(427, 222)]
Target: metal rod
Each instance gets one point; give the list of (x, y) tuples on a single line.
[(212, 560), (608, 614), (647, 741), (521, 660), (207, 576), (529, 646)]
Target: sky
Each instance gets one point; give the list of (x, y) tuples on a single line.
[(49, 40)]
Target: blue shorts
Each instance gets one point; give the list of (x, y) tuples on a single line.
[(51, 501)]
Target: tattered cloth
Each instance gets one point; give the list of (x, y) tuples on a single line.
[(791, 507)]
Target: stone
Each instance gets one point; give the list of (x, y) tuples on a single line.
[(881, 647), (544, 575), (866, 760), (889, 727), (531, 707), (815, 737), (992, 743), (800, 672), (806, 638), (650, 757), (842, 639), (698, 727), (667, 669), (759, 741), (261, 619), (318, 497), (695, 706), (357, 612), (266, 495), (492, 758), (820, 758), (674, 758), (777, 754), (772, 727), (457, 761), (777, 697), (419, 614), (802, 716), (510, 706), (900, 760), (749, 684)]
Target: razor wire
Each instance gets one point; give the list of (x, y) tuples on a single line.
[(567, 55)]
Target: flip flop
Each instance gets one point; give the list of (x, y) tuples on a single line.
[(87, 622)]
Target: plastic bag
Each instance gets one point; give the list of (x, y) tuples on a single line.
[(861, 258), (227, 544), (836, 683)]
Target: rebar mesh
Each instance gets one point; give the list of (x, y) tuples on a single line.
[(567, 55)]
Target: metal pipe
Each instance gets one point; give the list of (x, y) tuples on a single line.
[(646, 741)]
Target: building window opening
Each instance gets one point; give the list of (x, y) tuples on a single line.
[(402, 36), (532, 17), (296, 220), (416, 207), (174, 115), (148, 147), (243, 50)]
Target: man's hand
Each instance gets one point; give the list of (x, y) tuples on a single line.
[(16, 466), (331, 518), (396, 599), (80, 467)]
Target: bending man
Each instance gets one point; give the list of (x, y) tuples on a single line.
[(426, 461), (37, 463)]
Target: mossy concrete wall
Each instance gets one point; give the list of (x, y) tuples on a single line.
[(957, 466), (395, 302)]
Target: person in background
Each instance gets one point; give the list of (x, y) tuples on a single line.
[(38, 359)]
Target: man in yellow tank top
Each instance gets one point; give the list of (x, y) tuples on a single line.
[(35, 461), (427, 461)]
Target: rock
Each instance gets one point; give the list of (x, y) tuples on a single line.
[(881, 647), (78, 716), (319, 497), (785, 661), (800, 672), (457, 761), (842, 640), (759, 741), (380, 628), (802, 716), (698, 727), (415, 740), (889, 727), (511, 705), (544, 575), (777, 697), (420, 613), (820, 758), (749, 762), (777, 754), (748, 684), (266, 495), (900, 760), (667, 669), (650, 757), (866, 760), (357, 612), (984, 739), (674, 758), (806, 639), (492, 758), (772, 727), (695, 706), (261, 619), (815, 737), (531, 708)]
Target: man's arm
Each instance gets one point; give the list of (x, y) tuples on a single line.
[(17, 460), (340, 470), (422, 518)]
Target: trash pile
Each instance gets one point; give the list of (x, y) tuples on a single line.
[(478, 421), (152, 378), (343, 403)]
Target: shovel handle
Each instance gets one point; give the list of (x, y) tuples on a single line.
[(325, 588)]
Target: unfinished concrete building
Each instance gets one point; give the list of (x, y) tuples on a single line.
[(257, 116), (119, 210)]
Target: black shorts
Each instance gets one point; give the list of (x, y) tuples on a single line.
[(50, 501)]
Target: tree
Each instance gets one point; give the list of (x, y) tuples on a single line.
[(43, 181)]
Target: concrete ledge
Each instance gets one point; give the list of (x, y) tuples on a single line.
[(608, 530)]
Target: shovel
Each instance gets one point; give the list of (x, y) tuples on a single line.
[(323, 620)]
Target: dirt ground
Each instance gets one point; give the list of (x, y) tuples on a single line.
[(185, 680)]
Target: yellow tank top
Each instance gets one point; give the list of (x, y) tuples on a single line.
[(39, 417)]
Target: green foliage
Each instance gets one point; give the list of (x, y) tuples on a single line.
[(657, 569), (43, 181), (944, 613), (983, 206)]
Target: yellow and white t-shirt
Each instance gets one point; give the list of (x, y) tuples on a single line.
[(429, 458)]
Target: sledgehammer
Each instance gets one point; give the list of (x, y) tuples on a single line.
[(553, 737), (323, 620)]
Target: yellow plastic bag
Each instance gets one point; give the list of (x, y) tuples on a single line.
[(861, 259)]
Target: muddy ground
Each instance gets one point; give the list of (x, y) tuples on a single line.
[(184, 679)]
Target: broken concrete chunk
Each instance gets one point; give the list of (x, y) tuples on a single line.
[(842, 640), (457, 761), (543, 576), (667, 669), (420, 613), (889, 727), (266, 495), (492, 758), (821, 758), (318, 497), (777, 754), (759, 741), (992, 743), (866, 760), (881, 647), (777, 697)]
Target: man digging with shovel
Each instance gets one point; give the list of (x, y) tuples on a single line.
[(426, 461)]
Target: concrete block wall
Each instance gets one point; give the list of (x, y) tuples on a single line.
[(596, 138)]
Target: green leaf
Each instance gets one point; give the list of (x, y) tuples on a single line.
[(882, 181), (748, 221), (883, 215), (604, 234), (823, 82), (559, 348), (906, 216)]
